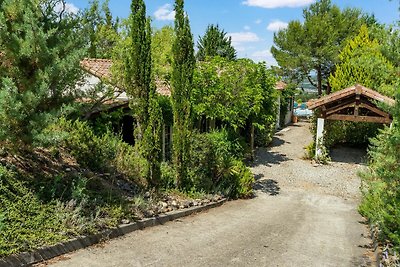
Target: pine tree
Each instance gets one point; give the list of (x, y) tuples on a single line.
[(361, 61), (182, 79), (215, 43), (140, 87), (40, 50)]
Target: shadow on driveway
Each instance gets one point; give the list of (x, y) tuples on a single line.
[(267, 186), (268, 158)]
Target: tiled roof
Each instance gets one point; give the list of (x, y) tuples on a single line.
[(280, 85), (101, 68)]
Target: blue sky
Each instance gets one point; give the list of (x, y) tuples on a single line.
[(251, 23)]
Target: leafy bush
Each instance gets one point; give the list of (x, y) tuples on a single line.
[(99, 153), (381, 187), (353, 133), (216, 166), (167, 176)]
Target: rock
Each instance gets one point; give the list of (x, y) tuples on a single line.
[(149, 213), (195, 203), (174, 204), (181, 207), (125, 221), (68, 169), (206, 201), (163, 205), (147, 194)]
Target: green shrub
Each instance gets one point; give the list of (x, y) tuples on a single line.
[(167, 176), (104, 153), (216, 166), (238, 182), (353, 133), (381, 186)]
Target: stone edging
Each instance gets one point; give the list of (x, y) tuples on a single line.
[(46, 253), (375, 243)]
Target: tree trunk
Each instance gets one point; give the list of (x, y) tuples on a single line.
[(319, 78), (328, 88)]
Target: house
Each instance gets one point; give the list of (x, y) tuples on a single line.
[(99, 71)]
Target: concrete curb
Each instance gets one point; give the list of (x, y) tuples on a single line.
[(46, 253), (375, 244)]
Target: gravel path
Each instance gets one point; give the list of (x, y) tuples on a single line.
[(303, 215), (283, 164)]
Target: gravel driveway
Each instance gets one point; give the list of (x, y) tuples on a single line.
[(303, 215)]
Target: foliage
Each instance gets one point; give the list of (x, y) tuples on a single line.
[(26, 222), (162, 41), (352, 133), (215, 165), (286, 98), (233, 92), (381, 189), (182, 79), (137, 65), (40, 53), (361, 61), (215, 43), (168, 176), (322, 156), (313, 46), (100, 153), (101, 29), (151, 143), (139, 85)]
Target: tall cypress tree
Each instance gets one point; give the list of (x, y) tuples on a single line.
[(182, 79), (138, 66), (141, 89)]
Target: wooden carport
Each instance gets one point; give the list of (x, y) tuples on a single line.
[(356, 103)]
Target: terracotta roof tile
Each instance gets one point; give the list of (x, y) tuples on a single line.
[(101, 68), (280, 85)]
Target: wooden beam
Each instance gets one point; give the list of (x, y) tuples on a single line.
[(374, 119), (339, 108), (375, 110)]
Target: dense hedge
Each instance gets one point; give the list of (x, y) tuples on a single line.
[(381, 185)]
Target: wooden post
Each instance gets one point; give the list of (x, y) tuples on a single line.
[(320, 137)]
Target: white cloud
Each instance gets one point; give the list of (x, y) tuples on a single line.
[(264, 55), (258, 21), (277, 3), (277, 25), (165, 12), (246, 28), (69, 8), (244, 37)]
